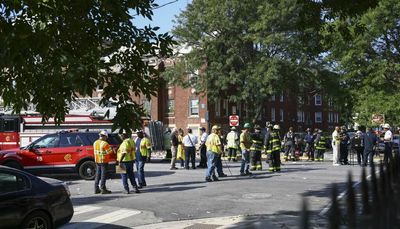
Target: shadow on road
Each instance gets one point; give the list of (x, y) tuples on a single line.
[(92, 225)]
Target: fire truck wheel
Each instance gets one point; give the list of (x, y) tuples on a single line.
[(13, 164), (87, 170)]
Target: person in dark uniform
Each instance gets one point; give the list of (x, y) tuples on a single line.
[(273, 147), (309, 139), (344, 146), (257, 139), (289, 141), (357, 146)]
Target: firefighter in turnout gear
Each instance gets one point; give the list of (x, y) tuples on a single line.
[(273, 148), (320, 146), (232, 143), (257, 139)]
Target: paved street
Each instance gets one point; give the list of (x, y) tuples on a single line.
[(181, 195)]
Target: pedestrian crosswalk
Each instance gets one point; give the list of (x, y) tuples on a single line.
[(96, 216)]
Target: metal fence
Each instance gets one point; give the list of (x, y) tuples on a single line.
[(375, 204)]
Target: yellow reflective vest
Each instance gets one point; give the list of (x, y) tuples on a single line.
[(102, 151), (145, 146), (128, 148), (213, 143)]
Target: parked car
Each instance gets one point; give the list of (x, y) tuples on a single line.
[(27, 201), (59, 152), (395, 146)]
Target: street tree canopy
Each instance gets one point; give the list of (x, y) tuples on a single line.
[(52, 51), (249, 50), (365, 46)]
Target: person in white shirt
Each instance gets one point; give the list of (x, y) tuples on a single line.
[(387, 139), (232, 144), (203, 148), (336, 145), (189, 142)]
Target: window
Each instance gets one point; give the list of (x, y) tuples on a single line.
[(318, 117), (225, 107), (246, 110), (281, 114), (194, 107), (281, 98), (330, 102), (331, 117), (239, 108), (272, 97), (46, 142), (233, 109), (300, 116), (272, 114), (318, 100), (10, 182), (170, 106), (336, 117), (218, 107)]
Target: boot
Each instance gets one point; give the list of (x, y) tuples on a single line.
[(105, 191), (208, 179), (215, 178)]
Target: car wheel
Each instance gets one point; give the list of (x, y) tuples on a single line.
[(13, 164), (87, 170), (37, 220)]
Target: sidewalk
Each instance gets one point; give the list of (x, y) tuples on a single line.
[(255, 222)]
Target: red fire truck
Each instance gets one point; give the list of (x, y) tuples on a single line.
[(17, 131)]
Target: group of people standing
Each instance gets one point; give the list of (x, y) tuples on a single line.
[(363, 144), (130, 152)]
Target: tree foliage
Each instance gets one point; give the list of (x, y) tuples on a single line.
[(365, 47), (52, 51), (250, 50)]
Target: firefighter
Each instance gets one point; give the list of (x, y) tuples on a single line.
[(232, 143), (257, 139), (289, 141), (267, 136), (126, 157), (102, 150), (320, 146), (273, 148), (245, 144)]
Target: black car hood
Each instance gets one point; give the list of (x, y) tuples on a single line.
[(52, 181)]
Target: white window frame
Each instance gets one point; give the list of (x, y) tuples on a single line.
[(225, 107), (192, 107), (336, 115), (300, 116), (218, 108), (318, 100), (318, 117)]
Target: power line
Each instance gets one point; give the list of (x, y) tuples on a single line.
[(168, 3)]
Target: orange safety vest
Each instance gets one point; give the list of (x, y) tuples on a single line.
[(102, 151)]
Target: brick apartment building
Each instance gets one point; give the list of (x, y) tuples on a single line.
[(184, 107)]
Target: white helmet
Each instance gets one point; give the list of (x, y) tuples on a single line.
[(103, 133), (386, 126), (276, 127)]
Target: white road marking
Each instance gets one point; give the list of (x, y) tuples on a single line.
[(113, 216), (84, 209)]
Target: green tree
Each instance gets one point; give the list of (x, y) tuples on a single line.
[(365, 45), (250, 50), (51, 51)]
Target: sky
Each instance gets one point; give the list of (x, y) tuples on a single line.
[(164, 15)]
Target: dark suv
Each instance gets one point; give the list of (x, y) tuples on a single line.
[(59, 152)]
